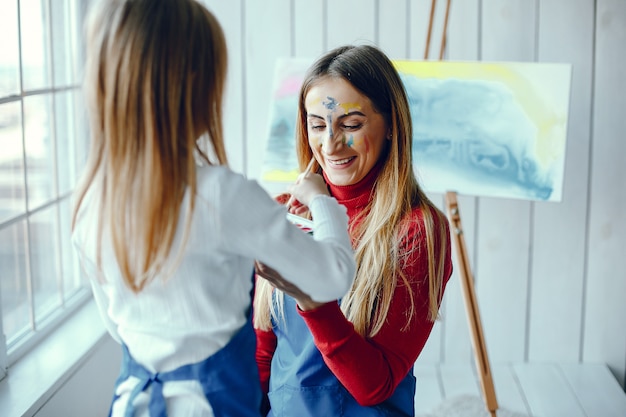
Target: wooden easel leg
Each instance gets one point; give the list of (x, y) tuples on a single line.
[(471, 306), (430, 28)]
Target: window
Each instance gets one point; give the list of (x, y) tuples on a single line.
[(43, 145)]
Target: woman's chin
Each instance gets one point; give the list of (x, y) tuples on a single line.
[(341, 178)]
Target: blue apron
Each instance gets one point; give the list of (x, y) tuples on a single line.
[(229, 378), (302, 385)]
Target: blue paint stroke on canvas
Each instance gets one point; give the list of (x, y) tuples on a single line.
[(281, 145), (479, 131)]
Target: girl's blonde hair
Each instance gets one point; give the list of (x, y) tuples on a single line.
[(154, 82), (396, 194)]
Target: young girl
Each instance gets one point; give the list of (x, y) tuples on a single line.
[(355, 357), (166, 233)]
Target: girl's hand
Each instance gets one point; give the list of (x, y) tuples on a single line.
[(306, 187), (304, 301)]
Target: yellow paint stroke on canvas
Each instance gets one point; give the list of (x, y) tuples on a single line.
[(277, 175)]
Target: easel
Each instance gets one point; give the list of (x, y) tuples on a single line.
[(467, 280), (471, 305)]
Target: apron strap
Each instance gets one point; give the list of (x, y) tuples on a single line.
[(148, 379)]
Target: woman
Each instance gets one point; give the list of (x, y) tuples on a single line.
[(163, 227), (355, 357)]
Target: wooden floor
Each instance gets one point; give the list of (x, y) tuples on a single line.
[(538, 390)]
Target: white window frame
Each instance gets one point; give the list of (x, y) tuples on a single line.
[(73, 12)]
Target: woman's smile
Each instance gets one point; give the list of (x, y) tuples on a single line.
[(340, 163)]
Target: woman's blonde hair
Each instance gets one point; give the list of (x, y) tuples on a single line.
[(154, 82), (396, 193)]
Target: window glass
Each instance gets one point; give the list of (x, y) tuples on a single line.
[(14, 284), (12, 195), (40, 173), (9, 58), (81, 147), (44, 258), (65, 140), (62, 44), (72, 278), (34, 31)]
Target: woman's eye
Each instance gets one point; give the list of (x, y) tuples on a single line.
[(317, 128), (352, 127)]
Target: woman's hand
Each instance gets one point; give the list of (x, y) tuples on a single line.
[(304, 301)]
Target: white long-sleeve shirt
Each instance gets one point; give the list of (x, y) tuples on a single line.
[(196, 310)]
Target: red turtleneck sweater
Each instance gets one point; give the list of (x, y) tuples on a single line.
[(370, 368)]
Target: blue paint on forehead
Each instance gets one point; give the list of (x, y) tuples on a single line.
[(331, 104)]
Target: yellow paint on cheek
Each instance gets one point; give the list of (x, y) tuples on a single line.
[(316, 141), (349, 106)]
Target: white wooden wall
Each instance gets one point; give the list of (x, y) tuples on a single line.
[(549, 276)]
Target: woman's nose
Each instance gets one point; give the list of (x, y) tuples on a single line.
[(331, 142)]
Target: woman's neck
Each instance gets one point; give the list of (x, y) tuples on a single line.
[(355, 196)]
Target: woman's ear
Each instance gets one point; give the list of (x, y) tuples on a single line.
[(388, 137)]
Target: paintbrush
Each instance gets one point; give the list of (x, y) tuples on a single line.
[(308, 167), (304, 174)]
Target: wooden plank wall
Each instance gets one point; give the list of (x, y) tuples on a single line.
[(549, 278)]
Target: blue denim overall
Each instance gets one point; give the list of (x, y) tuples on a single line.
[(302, 385), (229, 378)]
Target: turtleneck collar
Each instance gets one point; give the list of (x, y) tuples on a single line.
[(357, 195)]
